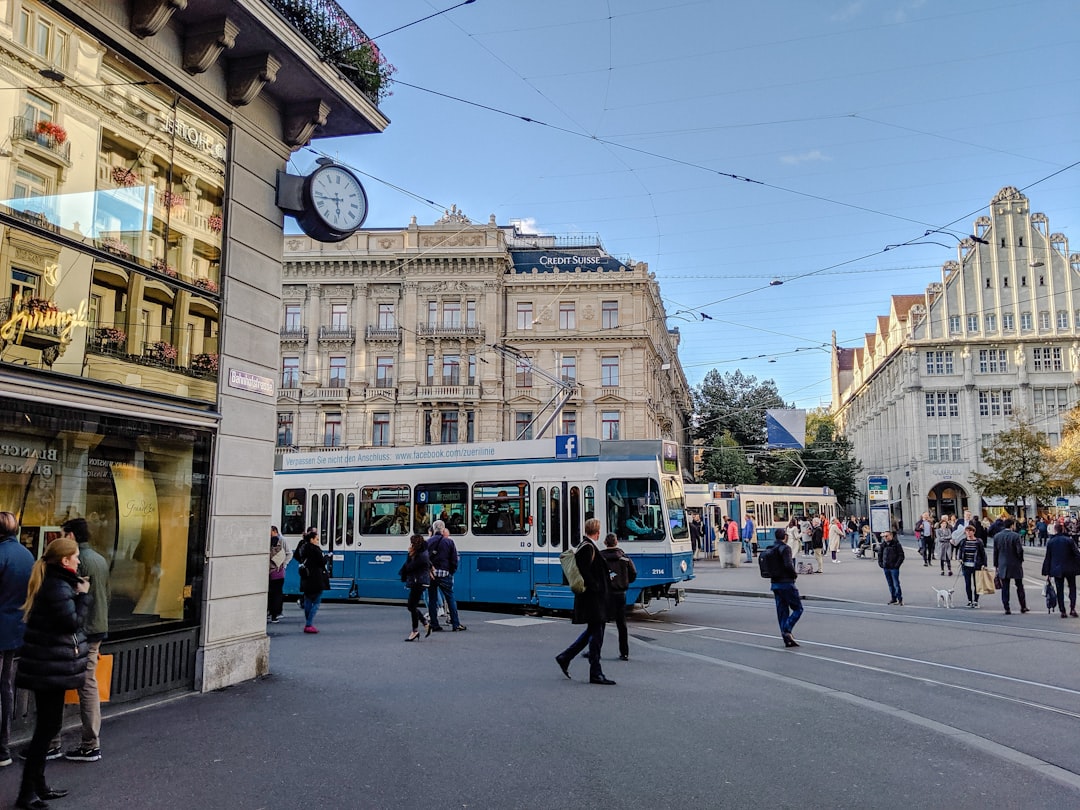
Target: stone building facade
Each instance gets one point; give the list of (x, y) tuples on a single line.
[(996, 337), (395, 337), (140, 250)]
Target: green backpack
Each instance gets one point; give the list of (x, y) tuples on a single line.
[(571, 572)]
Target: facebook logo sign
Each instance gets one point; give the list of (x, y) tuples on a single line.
[(566, 446)]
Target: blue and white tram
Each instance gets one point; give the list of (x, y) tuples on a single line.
[(771, 507), (511, 508)]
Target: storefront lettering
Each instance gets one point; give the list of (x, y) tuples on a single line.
[(23, 451), (43, 470), (580, 261), (143, 508), (25, 317), (200, 140)]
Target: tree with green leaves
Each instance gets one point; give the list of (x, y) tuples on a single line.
[(1065, 458), (1019, 467), (725, 463), (733, 404)]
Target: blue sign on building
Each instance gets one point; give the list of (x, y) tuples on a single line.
[(566, 446)]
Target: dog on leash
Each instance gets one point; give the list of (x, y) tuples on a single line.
[(944, 596)]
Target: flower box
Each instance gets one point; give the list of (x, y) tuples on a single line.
[(123, 177), (215, 223), (207, 284), (172, 199), (161, 266), (162, 350), (51, 130), (114, 245), (205, 363), (107, 334)]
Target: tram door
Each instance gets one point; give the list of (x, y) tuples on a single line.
[(562, 507), (333, 512)]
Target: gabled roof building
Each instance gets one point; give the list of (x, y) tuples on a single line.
[(996, 337)]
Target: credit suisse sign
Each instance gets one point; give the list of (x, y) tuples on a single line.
[(554, 261)]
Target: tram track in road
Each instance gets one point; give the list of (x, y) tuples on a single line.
[(1008, 753)]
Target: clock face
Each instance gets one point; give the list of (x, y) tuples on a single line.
[(338, 198)]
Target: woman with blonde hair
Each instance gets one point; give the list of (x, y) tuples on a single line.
[(53, 657)]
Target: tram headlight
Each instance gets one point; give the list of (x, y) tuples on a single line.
[(683, 566)]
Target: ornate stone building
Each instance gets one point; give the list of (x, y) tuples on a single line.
[(396, 337), (945, 370)]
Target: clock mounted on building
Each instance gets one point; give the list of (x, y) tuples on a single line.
[(329, 204)]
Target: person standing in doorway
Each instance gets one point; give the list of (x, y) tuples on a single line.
[(782, 576), (590, 607), (890, 558), (621, 573), (16, 561), (1009, 562), (94, 568), (697, 533)]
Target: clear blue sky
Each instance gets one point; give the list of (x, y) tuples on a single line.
[(861, 124)]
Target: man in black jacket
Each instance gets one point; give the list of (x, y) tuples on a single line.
[(1009, 562), (590, 607), (444, 563), (621, 573), (890, 558), (789, 608)]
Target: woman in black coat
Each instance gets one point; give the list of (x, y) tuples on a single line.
[(416, 574), (314, 578), (53, 657), (1062, 562)]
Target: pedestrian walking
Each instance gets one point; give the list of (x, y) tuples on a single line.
[(943, 537), (1009, 563), (782, 576), (972, 556), (697, 533), (279, 558), (1062, 562), (314, 578), (836, 531), (590, 607), (416, 574), (95, 569), (53, 657), (444, 557), (16, 562), (621, 573), (890, 558)]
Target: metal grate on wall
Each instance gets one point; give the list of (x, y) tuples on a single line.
[(154, 665)]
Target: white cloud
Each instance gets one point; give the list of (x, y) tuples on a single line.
[(901, 13), (813, 156), (526, 225)]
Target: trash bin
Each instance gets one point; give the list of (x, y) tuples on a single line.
[(730, 554)]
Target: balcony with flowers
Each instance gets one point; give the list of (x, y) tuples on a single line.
[(342, 42), (204, 364), (163, 267), (109, 340), (208, 285), (48, 136)]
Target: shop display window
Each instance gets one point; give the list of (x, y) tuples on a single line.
[(142, 487)]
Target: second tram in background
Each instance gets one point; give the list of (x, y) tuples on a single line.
[(511, 508), (771, 508)]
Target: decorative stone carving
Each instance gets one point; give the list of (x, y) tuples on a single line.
[(302, 119), (1007, 193), (588, 313), (248, 76), (453, 216), (148, 17), (204, 42), (455, 240)]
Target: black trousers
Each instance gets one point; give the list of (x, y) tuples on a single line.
[(1020, 595), (593, 637), (1060, 583), (617, 611), (49, 718), (275, 598)]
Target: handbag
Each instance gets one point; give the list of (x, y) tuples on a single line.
[(997, 582), (984, 582), (103, 672)]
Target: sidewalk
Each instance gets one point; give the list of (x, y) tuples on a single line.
[(860, 580)]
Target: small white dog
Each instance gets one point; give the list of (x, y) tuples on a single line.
[(944, 596)]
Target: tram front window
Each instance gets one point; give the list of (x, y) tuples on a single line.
[(676, 509), (633, 509)]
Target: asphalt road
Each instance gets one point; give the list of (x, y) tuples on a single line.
[(880, 707)]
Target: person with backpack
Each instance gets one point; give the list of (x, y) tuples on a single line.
[(778, 566), (314, 578), (590, 606), (1062, 562), (621, 572)]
